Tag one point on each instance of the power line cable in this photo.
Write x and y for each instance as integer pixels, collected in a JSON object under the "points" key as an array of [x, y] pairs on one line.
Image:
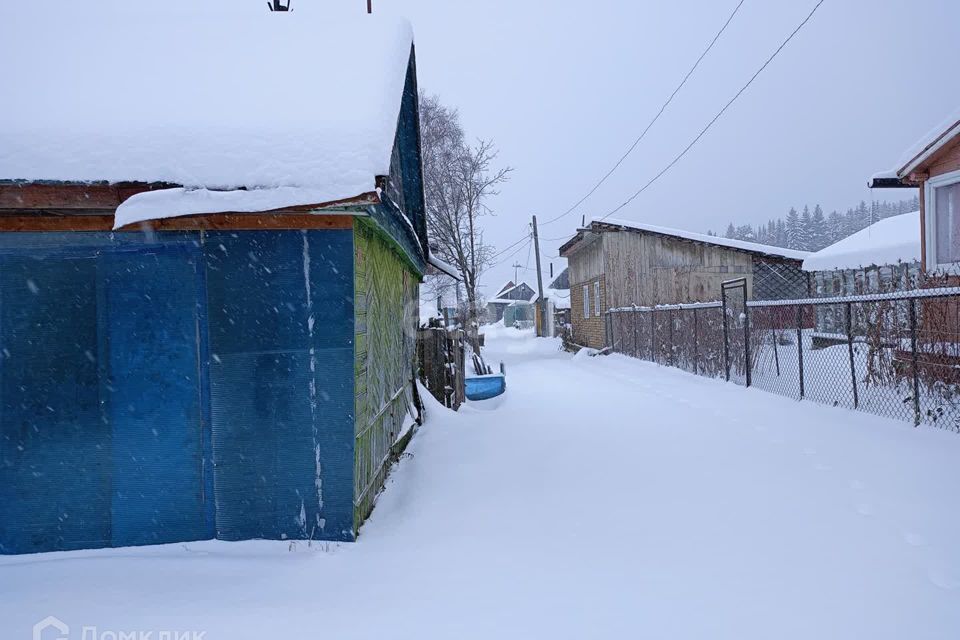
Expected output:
{"points": [[654, 120], [716, 117]]}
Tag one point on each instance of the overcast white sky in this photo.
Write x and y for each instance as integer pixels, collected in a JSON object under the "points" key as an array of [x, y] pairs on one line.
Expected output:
{"points": [[563, 87]]}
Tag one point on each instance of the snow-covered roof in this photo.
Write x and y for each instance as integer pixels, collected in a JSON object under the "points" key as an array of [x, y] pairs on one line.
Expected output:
{"points": [[444, 267], [889, 241], [922, 149], [221, 100], [559, 297], [505, 286], [742, 245]]}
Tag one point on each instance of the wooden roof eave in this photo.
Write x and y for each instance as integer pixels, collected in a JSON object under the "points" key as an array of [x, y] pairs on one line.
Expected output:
{"points": [[35, 206], [607, 226]]}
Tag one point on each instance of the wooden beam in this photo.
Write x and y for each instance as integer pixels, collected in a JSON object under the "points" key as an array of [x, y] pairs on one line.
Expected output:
{"points": [[213, 222], [70, 196]]}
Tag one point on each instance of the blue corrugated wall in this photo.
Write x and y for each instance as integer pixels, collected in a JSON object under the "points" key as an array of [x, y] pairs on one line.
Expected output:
{"points": [[121, 425], [281, 383]]}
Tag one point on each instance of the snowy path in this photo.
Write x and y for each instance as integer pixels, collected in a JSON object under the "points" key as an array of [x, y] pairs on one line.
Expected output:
{"points": [[600, 497]]}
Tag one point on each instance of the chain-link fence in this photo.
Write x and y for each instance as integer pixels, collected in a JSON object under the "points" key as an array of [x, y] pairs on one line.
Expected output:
{"points": [[894, 354]]}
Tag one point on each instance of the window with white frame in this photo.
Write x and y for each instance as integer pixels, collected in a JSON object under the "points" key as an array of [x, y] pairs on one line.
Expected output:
{"points": [[942, 213], [596, 296], [586, 301]]}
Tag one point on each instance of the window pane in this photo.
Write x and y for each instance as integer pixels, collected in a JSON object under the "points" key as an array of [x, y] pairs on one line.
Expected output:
{"points": [[947, 201], [586, 301]]}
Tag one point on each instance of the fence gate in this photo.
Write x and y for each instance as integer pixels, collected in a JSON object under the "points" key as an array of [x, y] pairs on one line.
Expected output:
{"points": [[736, 331]]}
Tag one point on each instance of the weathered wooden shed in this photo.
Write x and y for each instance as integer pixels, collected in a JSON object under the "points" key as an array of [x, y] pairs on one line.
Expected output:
{"points": [[618, 263], [207, 317]]}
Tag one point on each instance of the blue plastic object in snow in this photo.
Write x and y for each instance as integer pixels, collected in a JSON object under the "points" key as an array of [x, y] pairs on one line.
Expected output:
{"points": [[485, 387]]}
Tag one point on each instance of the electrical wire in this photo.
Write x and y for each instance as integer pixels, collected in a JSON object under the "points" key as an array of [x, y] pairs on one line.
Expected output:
{"points": [[654, 120], [716, 117]]}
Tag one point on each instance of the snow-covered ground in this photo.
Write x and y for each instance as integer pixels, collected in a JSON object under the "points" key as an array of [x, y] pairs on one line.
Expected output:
{"points": [[599, 497]]}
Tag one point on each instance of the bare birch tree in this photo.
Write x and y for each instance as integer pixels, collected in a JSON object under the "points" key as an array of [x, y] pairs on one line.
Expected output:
{"points": [[459, 178]]}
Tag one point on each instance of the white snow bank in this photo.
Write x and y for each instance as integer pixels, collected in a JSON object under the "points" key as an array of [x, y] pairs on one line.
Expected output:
{"points": [[223, 99], [601, 498], [170, 203], [702, 237], [889, 241]]}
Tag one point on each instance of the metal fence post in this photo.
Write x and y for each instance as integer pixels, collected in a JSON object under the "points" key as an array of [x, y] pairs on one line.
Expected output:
{"points": [[800, 345], [607, 341], [696, 343], [913, 357], [670, 333], [746, 335], [653, 336], [726, 338], [636, 334], [853, 370]]}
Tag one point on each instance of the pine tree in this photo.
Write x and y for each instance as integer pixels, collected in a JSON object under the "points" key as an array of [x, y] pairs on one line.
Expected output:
{"points": [[731, 231], [818, 230], [835, 227], [806, 229], [794, 233]]}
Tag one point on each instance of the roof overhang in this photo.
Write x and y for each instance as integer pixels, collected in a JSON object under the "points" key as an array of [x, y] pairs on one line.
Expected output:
{"points": [[40, 206], [911, 170], [596, 227], [583, 238]]}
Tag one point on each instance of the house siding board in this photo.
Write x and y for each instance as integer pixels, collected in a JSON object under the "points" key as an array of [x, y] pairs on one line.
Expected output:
{"points": [[947, 160], [102, 412], [647, 269], [385, 320], [54, 444], [284, 468]]}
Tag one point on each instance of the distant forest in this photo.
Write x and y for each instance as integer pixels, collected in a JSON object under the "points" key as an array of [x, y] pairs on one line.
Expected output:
{"points": [[811, 230]]}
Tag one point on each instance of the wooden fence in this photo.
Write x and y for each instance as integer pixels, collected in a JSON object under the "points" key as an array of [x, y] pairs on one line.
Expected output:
{"points": [[440, 359]]}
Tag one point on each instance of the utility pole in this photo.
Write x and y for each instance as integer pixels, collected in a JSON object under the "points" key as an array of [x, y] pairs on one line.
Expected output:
{"points": [[369, 6], [516, 266], [543, 302]]}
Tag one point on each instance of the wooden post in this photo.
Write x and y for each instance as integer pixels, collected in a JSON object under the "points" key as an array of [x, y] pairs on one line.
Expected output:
{"points": [[542, 302], [853, 370]]}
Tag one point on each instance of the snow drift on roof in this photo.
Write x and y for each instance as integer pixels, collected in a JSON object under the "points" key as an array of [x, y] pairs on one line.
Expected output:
{"points": [[559, 297], [204, 99], [701, 237], [892, 240], [924, 147]]}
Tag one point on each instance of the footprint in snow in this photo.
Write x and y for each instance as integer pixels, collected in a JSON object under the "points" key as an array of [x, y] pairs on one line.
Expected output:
{"points": [[821, 467], [857, 485], [865, 509], [809, 451]]}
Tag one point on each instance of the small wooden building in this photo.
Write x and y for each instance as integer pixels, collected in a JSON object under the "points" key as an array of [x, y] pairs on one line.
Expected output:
{"points": [[519, 296], [208, 278], [618, 263]]}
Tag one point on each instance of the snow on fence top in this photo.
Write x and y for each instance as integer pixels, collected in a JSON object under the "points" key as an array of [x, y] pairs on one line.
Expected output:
{"points": [[941, 292], [219, 100], [670, 307], [743, 245], [889, 241]]}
